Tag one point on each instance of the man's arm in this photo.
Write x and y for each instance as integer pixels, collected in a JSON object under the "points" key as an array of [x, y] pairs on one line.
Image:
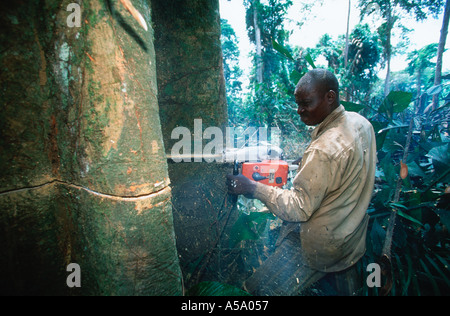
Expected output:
{"points": [[298, 204]]}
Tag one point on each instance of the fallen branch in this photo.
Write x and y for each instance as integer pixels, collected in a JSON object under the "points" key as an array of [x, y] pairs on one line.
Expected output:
{"points": [[386, 253]]}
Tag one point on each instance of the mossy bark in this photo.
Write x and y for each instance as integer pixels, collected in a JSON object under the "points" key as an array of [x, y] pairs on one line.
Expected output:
{"points": [[191, 86], [84, 174]]}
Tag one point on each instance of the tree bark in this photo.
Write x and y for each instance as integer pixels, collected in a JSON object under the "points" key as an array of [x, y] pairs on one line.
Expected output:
{"points": [[85, 178], [390, 25], [441, 48], [259, 63], [192, 86], [347, 37]]}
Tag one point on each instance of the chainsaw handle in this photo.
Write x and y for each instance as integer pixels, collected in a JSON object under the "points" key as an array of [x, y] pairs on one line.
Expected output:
{"points": [[258, 177], [234, 198], [236, 168]]}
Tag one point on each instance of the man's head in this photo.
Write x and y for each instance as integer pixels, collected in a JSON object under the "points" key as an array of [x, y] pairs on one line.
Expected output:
{"points": [[317, 95]]}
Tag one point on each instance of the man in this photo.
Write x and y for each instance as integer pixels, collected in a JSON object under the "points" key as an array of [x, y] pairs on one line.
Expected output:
{"points": [[329, 198]]}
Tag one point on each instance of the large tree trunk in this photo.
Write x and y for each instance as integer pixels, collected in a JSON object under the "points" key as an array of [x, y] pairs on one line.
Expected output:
{"points": [[347, 38], [259, 62], [388, 51], [191, 86], [84, 175], [441, 48]]}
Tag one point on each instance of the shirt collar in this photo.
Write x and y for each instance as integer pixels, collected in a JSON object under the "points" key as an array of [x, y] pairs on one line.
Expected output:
{"points": [[327, 121]]}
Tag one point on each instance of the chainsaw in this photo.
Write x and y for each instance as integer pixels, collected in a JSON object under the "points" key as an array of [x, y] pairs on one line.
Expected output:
{"points": [[269, 172], [262, 163]]}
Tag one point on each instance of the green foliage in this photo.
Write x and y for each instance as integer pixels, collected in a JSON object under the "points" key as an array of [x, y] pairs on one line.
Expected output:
{"points": [[270, 98], [364, 56], [421, 237], [270, 16], [350, 106], [364, 52], [395, 102], [419, 8], [420, 248], [282, 50], [249, 227], [231, 69], [420, 59]]}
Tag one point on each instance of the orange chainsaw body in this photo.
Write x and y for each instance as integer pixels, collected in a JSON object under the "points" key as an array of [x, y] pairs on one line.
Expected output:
{"points": [[269, 172]]}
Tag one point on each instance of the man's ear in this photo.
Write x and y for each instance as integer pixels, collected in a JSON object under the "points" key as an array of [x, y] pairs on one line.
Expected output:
{"points": [[331, 97]]}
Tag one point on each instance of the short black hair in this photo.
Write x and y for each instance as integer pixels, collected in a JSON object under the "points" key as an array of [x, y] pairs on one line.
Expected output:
{"points": [[324, 78]]}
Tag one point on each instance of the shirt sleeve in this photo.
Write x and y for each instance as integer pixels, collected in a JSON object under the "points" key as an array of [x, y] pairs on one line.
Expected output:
{"points": [[310, 187]]}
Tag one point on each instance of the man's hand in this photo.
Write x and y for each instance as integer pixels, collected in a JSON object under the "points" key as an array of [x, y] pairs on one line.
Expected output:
{"points": [[241, 185]]}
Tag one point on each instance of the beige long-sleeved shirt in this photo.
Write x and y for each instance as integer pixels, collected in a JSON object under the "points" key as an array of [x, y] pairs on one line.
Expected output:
{"points": [[331, 192]]}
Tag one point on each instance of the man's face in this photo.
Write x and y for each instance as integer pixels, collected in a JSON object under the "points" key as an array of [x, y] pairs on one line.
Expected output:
{"points": [[313, 106]]}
